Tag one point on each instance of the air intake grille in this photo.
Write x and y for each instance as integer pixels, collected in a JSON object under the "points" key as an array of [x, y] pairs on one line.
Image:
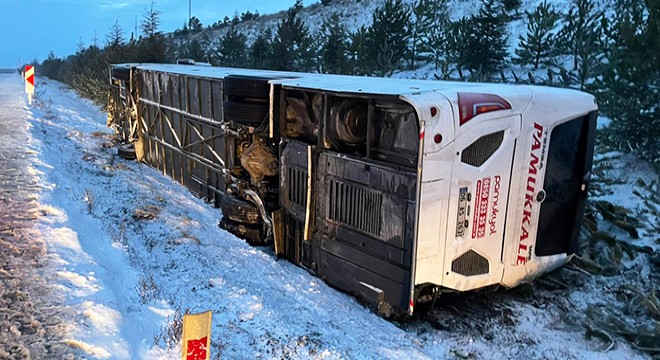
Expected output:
{"points": [[470, 264], [355, 206], [481, 150], [297, 186]]}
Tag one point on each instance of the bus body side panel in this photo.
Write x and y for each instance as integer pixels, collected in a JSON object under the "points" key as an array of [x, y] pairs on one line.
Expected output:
{"points": [[294, 172], [552, 168], [436, 111], [365, 228]]}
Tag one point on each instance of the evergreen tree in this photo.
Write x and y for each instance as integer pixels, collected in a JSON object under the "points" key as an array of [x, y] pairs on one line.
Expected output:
{"points": [[292, 46], [152, 47], [458, 36], [486, 43], [424, 14], [115, 51], [537, 46], [630, 90], [232, 50], [359, 52], [195, 25], [435, 43], [261, 51], [334, 46], [389, 35], [195, 49], [150, 21], [511, 7], [581, 39]]}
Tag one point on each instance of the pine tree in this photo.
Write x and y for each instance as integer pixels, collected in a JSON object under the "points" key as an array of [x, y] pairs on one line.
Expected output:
{"points": [[195, 25], [423, 16], [232, 50], [152, 47], [511, 7], [537, 46], [195, 49], [358, 53], [389, 36], [581, 39], [150, 21], [458, 36], [114, 48], [434, 44], [486, 45], [334, 46], [261, 51], [630, 90], [292, 46]]}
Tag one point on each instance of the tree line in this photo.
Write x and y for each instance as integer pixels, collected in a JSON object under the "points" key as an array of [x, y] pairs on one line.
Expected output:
{"points": [[615, 57]]}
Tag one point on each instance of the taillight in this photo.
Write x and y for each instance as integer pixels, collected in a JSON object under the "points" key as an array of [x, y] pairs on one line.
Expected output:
{"points": [[473, 104]]}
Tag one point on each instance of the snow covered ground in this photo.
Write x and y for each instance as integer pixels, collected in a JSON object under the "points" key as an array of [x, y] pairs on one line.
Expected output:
{"points": [[129, 250]]}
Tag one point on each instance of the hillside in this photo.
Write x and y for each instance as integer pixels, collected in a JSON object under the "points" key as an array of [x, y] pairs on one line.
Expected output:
{"points": [[603, 305], [129, 251]]}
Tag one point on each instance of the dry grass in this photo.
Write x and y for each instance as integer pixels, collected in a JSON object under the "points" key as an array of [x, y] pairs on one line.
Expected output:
{"points": [[149, 212], [119, 235], [170, 334], [147, 289], [89, 200]]}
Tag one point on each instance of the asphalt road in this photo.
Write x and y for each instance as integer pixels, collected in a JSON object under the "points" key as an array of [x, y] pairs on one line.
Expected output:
{"points": [[30, 310]]}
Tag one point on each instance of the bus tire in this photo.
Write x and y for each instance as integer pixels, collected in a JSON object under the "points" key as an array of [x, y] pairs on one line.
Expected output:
{"points": [[127, 151], [246, 113], [247, 87], [239, 210], [253, 234]]}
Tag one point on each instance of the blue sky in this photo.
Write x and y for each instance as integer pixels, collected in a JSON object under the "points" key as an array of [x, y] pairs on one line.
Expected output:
{"points": [[30, 29]]}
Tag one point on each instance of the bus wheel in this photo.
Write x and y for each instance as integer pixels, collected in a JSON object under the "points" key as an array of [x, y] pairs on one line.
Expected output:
{"points": [[126, 151], [253, 234], [239, 210]]}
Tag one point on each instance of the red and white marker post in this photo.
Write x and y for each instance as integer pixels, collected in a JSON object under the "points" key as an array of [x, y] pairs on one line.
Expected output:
{"points": [[29, 82]]}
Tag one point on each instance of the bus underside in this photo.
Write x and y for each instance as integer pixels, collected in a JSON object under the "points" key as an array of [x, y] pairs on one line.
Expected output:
{"points": [[328, 179]]}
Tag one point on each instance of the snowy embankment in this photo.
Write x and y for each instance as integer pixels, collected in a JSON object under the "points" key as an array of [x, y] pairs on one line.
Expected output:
{"points": [[133, 250]]}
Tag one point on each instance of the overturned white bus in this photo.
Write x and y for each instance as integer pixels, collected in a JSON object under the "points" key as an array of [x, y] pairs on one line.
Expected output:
{"points": [[393, 190]]}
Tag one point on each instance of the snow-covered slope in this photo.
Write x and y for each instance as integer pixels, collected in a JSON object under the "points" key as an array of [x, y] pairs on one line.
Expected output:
{"points": [[355, 14]]}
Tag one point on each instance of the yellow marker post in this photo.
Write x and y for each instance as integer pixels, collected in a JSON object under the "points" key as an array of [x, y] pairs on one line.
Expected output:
{"points": [[29, 82], [196, 339]]}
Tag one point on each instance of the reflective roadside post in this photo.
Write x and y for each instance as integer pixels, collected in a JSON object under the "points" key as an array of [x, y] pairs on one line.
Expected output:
{"points": [[29, 82], [196, 339]]}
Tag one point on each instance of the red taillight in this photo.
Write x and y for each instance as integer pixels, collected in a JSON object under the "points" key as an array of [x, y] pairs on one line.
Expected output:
{"points": [[473, 104]]}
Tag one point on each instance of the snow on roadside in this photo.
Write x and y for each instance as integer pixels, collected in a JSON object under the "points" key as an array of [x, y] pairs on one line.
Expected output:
{"points": [[128, 278], [133, 250]]}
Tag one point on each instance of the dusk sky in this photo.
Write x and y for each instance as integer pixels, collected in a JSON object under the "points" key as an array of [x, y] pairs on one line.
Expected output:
{"points": [[30, 29]]}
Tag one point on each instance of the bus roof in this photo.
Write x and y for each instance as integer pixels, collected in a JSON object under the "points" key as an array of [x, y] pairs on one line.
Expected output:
{"points": [[518, 95]]}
